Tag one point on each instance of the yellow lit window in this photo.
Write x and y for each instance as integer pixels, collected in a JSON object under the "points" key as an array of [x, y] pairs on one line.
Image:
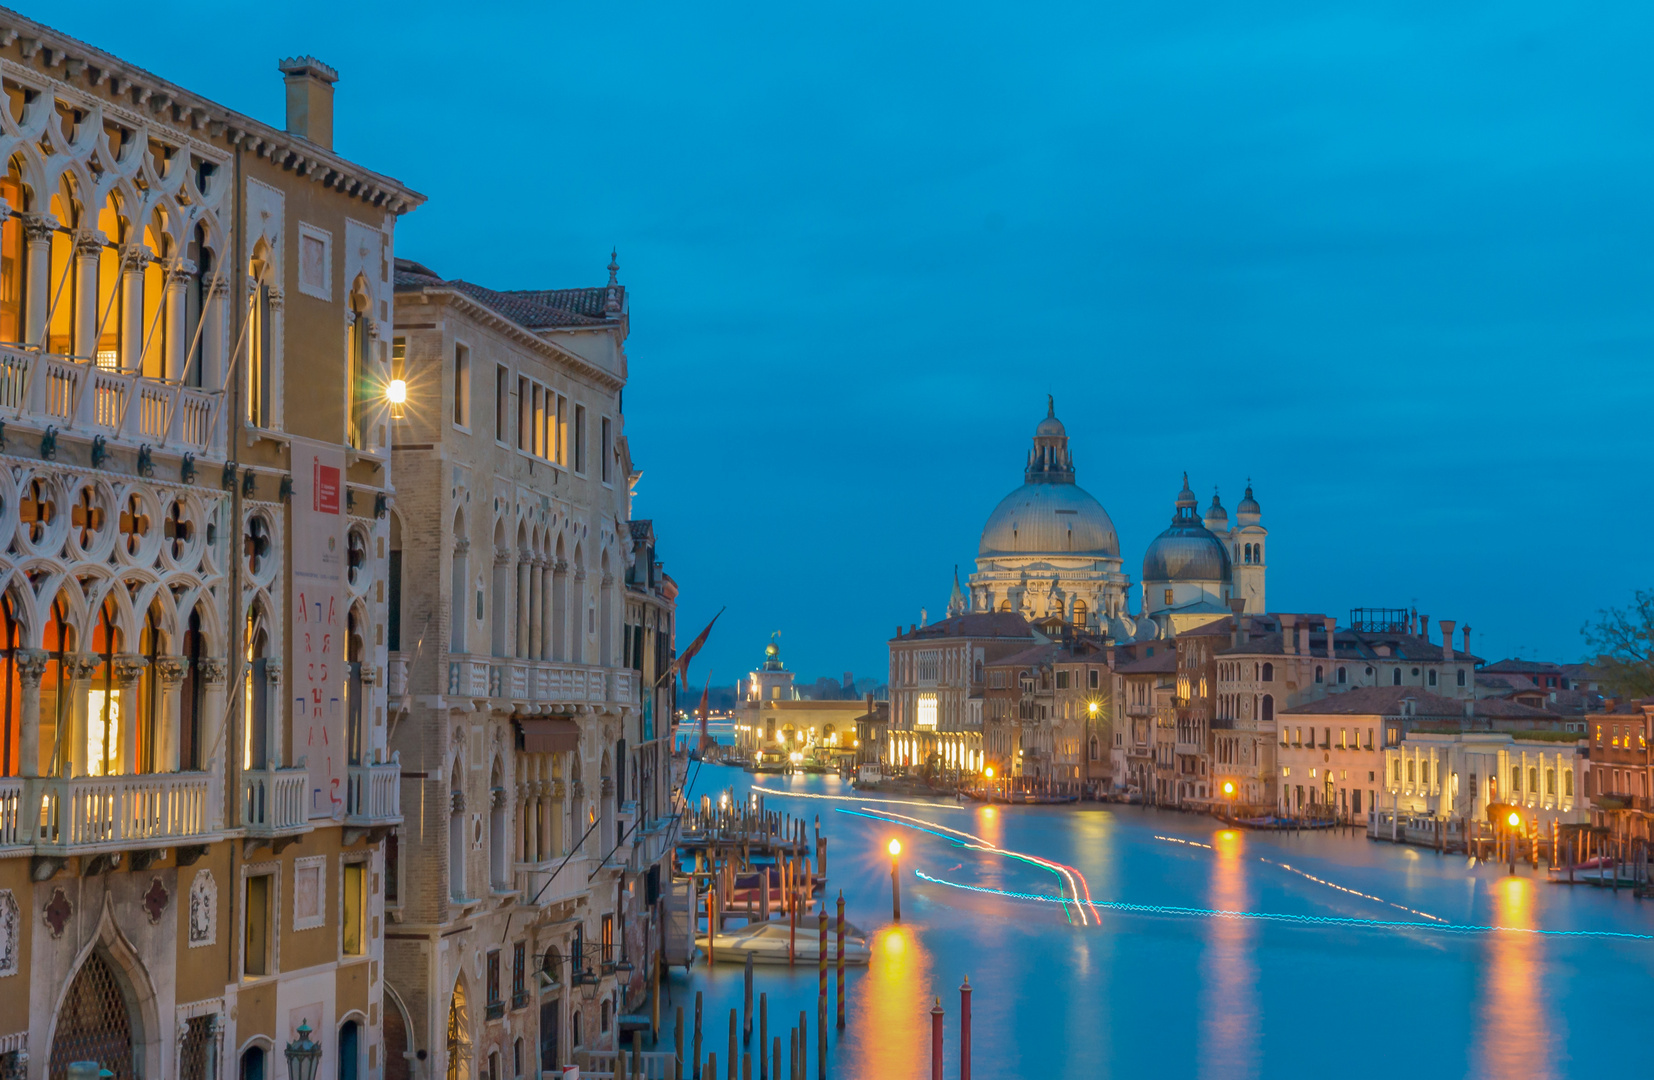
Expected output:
{"points": [[103, 730], [355, 914]]}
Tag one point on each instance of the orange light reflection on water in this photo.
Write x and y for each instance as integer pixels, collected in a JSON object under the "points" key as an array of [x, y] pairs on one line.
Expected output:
{"points": [[1229, 972], [1513, 1029], [889, 1029]]}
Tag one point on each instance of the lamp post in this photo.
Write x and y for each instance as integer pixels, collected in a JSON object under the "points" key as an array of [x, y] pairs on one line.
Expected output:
{"points": [[895, 880], [303, 1055], [1515, 822], [989, 773]]}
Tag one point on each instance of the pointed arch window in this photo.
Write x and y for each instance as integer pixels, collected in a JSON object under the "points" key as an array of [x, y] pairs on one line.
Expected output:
{"points": [[14, 252], [149, 695], [11, 720], [102, 751]]}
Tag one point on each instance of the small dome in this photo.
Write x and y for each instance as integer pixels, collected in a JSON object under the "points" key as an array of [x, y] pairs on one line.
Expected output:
{"points": [[1247, 511], [1186, 553], [772, 650], [1217, 518], [1050, 427], [1186, 497]]}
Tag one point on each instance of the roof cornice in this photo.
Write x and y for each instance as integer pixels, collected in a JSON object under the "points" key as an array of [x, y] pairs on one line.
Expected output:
{"points": [[77, 61], [476, 309]]}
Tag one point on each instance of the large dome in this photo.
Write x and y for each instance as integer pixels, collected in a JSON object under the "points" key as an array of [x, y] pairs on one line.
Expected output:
{"points": [[1049, 519]]}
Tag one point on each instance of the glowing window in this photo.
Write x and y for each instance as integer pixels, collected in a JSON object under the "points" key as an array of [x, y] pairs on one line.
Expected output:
{"points": [[925, 716]]}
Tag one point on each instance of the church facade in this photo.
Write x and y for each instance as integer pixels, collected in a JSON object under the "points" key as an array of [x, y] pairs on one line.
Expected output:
{"points": [[1050, 549]]}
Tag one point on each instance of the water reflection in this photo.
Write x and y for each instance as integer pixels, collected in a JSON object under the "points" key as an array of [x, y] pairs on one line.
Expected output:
{"points": [[890, 1017], [1513, 1036], [1229, 975]]}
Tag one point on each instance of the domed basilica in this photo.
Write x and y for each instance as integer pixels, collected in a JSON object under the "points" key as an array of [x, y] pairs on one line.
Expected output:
{"points": [[1049, 549]]}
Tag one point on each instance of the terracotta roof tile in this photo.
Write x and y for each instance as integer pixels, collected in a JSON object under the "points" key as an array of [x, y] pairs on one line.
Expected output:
{"points": [[535, 309]]}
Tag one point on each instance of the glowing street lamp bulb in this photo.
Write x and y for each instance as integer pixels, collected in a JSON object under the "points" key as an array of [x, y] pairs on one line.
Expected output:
{"points": [[1515, 819], [1228, 788], [895, 848], [1093, 708], [990, 772], [397, 392]]}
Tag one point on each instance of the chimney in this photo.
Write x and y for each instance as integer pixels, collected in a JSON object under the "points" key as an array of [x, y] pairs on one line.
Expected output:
{"points": [[1289, 625], [870, 703], [1467, 639], [1236, 606], [1469, 708], [1447, 638], [310, 99], [1332, 633], [1424, 627]]}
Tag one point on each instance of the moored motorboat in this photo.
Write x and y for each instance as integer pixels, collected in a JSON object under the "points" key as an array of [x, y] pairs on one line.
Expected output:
{"points": [[767, 943]]}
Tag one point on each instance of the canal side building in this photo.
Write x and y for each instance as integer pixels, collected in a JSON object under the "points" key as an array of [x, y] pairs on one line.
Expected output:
{"points": [[533, 632], [938, 677], [195, 780]]}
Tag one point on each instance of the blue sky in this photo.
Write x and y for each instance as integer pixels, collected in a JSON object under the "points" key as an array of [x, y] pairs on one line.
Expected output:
{"points": [[1392, 261]]}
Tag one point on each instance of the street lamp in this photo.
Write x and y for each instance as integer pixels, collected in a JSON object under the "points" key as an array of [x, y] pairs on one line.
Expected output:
{"points": [[895, 879], [303, 1055]]}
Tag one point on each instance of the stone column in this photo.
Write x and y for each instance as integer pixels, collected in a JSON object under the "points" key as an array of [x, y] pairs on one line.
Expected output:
{"points": [[179, 276], [80, 667], [134, 257], [522, 599], [274, 731], [536, 612], [211, 672], [212, 335], [88, 246], [129, 667], [548, 612], [31, 667], [37, 232], [170, 736]]}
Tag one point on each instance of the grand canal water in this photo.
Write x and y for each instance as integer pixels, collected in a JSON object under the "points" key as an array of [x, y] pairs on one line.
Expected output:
{"points": [[1160, 986]]}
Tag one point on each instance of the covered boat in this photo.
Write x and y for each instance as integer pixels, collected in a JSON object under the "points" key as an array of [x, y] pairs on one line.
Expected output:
{"points": [[767, 942]]}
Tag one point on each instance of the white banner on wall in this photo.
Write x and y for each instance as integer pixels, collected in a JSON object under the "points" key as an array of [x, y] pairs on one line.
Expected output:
{"points": [[318, 624]]}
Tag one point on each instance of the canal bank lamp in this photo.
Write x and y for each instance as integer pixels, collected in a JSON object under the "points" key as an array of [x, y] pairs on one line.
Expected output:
{"points": [[1515, 820], [1229, 788], [303, 1055], [990, 772], [895, 848]]}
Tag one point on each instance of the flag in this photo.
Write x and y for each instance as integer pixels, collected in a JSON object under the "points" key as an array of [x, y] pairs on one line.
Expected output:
{"points": [[681, 664]]}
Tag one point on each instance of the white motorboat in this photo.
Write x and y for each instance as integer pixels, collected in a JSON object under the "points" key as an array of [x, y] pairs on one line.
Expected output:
{"points": [[767, 942]]}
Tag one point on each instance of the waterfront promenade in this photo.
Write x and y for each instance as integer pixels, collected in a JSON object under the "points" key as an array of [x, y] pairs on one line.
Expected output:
{"points": [[1345, 965]]}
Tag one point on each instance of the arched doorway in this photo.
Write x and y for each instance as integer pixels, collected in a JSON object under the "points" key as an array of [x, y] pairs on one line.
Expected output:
{"points": [[349, 1050], [97, 1022], [459, 1036], [252, 1063]]}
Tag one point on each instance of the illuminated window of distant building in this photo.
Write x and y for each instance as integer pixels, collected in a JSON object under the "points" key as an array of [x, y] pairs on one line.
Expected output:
{"points": [[1168, 596], [925, 715]]}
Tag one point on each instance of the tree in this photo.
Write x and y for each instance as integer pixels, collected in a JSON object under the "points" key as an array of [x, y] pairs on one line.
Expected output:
{"points": [[1623, 642]]}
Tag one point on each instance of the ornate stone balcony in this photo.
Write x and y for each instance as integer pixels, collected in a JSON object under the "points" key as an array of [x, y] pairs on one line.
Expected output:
{"points": [[12, 834], [43, 391], [373, 794], [91, 814], [535, 682], [569, 884], [272, 802]]}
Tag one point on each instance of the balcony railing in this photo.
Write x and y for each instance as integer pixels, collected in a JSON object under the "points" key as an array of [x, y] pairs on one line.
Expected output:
{"points": [[549, 681], [12, 833], [567, 885], [124, 811], [272, 801], [373, 794], [124, 406]]}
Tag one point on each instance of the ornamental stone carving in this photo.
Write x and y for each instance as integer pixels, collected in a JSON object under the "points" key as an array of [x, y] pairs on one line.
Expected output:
{"points": [[81, 665], [38, 228], [134, 257], [171, 669], [272, 672], [370, 674], [129, 668], [212, 670], [31, 666], [203, 928], [11, 931]]}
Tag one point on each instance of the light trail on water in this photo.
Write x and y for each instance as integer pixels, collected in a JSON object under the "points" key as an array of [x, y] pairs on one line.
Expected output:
{"points": [[853, 798], [1305, 920], [1072, 876], [1311, 877]]}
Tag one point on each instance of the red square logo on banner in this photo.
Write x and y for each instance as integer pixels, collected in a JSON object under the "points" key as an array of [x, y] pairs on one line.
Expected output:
{"points": [[327, 489]]}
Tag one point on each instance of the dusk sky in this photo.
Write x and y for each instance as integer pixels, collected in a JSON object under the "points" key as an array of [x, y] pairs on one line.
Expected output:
{"points": [[1394, 262]]}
